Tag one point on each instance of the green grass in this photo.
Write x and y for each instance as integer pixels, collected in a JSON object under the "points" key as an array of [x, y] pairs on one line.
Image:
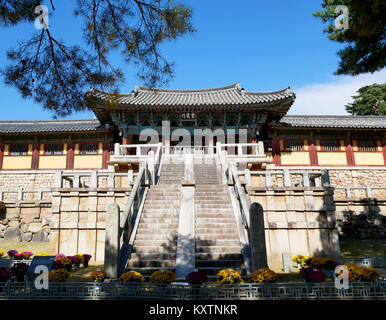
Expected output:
{"points": [[356, 248], [84, 274], [34, 247]]}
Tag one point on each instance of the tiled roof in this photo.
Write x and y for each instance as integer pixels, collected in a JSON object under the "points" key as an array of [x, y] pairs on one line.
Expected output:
{"points": [[232, 96], [50, 126], [222, 96], [364, 122]]}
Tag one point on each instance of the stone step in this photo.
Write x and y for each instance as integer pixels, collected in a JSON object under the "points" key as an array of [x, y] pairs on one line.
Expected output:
{"points": [[219, 230], [156, 236], [200, 221], [168, 211], [151, 232], [154, 256], [148, 249], [212, 215], [216, 225], [200, 242], [152, 263], [156, 243], [203, 205], [225, 249], [216, 236], [158, 226], [164, 206], [160, 220], [218, 256]]}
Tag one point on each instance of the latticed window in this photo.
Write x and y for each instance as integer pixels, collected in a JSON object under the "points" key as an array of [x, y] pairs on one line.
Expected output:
{"points": [[330, 145], [54, 148], [366, 145], [293, 145], [19, 149], [89, 148], [267, 145]]}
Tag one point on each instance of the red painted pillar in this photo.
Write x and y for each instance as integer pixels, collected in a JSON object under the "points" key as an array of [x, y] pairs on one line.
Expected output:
{"points": [[349, 152], [70, 155], [276, 151], [313, 152], [2, 146], [106, 154], [35, 154]]}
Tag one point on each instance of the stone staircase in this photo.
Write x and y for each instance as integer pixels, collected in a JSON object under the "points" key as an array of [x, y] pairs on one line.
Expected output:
{"points": [[155, 243], [217, 240], [217, 244]]}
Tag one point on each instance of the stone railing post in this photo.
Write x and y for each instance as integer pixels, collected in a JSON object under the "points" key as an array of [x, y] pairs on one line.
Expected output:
{"points": [[247, 177], [112, 241], [151, 166], [306, 179], [325, 178], [368, 192], [268, 179], [58, 179], [117, 149], [257, 237], [94, 179], [260, 148], [130, 177], [287, 178]]}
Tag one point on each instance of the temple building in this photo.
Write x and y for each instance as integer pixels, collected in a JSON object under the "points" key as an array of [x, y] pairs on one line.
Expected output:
{"points": [[314, 176]]}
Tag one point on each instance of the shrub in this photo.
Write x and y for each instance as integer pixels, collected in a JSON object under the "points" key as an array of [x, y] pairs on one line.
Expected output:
{"points": [[59, 275], [2, 253], [304, 261], [5, 274], [78, 258], [27, 254], [98, 275], [19, 270], [357, 273], [60, 255], [131, 276], [229, 276], [11, 253], [323, 263], [65, 263], [264, 275], [159, 276], [196, 277], [312, 275]]}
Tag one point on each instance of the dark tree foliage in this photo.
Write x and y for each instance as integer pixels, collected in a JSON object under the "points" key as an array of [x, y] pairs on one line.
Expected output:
{"points": [[371, 100], [57, 74], [365, 37]]}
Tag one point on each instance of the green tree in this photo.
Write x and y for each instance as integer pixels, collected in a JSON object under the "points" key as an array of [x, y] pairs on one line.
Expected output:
{"points": [[57, 73], [371, 100], [365, 36]]}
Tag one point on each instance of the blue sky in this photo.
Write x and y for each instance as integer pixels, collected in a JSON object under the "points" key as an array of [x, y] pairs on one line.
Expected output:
{"points": [[264, 45]]}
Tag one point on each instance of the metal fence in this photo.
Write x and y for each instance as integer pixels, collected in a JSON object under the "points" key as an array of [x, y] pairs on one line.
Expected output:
{"points": [[248, 291]]}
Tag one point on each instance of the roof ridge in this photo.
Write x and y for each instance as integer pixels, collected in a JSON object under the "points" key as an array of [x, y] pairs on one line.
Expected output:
{"points": [[235, 85], [50, 121]]}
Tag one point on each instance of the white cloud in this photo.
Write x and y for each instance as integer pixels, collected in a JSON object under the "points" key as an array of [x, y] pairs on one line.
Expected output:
{"points": [[329, 98]]}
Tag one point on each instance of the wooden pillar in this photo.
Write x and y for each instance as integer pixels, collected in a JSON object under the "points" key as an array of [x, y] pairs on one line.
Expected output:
{"points": [[383, 150], [276, 151], [35, 154], [70, 154], [106, 154], [2, 147], [313, 151], [349, 151]]}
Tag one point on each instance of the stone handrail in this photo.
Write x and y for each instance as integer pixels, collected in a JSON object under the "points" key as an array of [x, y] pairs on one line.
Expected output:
{"points": [[75, 178], [22, 192], [121, 225], [308, 177], [368, 189], [120, 149], [257, 149]]}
